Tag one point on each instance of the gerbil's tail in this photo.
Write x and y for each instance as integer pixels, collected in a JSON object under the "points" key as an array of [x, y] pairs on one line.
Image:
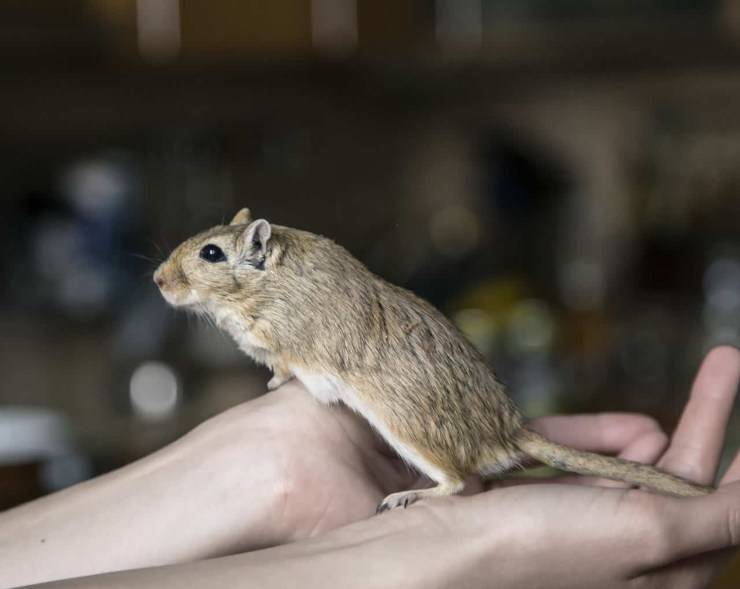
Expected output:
{"points": [[587, 463]]}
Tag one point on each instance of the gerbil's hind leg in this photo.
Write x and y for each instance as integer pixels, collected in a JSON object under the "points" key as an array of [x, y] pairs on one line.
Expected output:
{"points": [[280, 376], [406, 498]]}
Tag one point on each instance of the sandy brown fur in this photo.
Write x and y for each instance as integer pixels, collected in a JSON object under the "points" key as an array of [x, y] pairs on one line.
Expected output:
{"points": [[315, 308]]}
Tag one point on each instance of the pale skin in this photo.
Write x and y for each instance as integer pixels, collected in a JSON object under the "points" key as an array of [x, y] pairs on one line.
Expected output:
{"points": [[286, 471]]}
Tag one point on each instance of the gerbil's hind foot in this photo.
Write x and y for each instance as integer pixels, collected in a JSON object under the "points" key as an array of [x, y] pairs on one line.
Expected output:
{"points": [[406, 498], [402, 499]]}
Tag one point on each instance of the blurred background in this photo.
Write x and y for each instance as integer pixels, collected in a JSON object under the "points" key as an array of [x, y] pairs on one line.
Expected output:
{"points": [[559, 176]]}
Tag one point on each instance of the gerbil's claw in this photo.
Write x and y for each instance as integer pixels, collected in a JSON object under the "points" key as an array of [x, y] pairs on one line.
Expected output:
{"points": [[402, 499]]}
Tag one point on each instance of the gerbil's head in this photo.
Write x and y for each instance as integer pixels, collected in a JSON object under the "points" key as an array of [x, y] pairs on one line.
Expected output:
{"points": [[219, 266]]}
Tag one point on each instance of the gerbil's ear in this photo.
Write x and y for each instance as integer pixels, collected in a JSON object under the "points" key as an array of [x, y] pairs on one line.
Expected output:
{"points": [[242, 217], [254, 244]]}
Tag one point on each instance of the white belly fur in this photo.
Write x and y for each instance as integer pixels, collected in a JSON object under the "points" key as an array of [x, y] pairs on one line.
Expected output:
{"points": [[327, 388]]}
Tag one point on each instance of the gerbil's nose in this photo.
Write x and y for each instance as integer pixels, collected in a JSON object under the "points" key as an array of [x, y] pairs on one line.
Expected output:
{"points": [[158, 279]]}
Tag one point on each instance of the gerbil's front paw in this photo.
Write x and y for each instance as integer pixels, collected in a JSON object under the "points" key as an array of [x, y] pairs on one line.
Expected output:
{"points": [[402, 499], [277, 380]]}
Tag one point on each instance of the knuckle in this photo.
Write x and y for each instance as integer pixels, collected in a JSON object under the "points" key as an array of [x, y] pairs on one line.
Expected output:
{"points": [[659, 536], [658, 442], [661, 438], [652, 423], [661, 543], [733, 526]]}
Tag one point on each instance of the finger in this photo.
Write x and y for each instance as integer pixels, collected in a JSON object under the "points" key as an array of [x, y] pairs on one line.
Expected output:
{"points": [[702, 524], [696, 445], [647, 449], [733, 473], [608, 433], [629, 435]]}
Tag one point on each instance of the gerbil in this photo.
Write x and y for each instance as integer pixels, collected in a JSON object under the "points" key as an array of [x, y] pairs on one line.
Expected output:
{"points": [[303, 306]]}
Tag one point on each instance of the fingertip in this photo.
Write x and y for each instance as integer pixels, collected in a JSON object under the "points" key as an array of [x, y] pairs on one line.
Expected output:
{"points": [[648, 426], [715, 385], [725, 352], [646, 448], [724, 360], [636, 433], [637, 423]]}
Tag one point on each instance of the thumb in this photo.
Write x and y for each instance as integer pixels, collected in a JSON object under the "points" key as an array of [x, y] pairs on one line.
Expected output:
{"points": [[704, 524]]}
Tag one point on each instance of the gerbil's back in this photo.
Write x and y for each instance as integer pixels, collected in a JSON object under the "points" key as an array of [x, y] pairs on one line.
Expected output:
{"points": [[443, 375], [395, 348]]}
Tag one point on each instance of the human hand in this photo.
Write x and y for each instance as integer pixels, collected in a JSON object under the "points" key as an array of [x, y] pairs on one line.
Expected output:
{"points": [[590, 536], [519, 536], [273, 470], [334, 470], [526, 536], [326, 468]]}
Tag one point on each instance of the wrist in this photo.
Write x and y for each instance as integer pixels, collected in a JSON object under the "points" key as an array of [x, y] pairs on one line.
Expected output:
{"points": [[428, 546], [234, 461], [481, 548], [213, 492]]}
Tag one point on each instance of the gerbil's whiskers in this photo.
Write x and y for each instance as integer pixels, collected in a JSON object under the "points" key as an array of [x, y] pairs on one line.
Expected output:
{"points": [[160, 253], [144, 275], [154, 261]]}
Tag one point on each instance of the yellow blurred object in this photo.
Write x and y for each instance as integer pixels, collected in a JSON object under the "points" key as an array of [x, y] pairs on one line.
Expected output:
{"points": [[234, 29], [495, 297], [239, 27]]}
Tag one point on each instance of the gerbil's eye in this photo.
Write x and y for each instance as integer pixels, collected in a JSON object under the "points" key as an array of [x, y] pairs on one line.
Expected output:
{"points": [[212, 253]]}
